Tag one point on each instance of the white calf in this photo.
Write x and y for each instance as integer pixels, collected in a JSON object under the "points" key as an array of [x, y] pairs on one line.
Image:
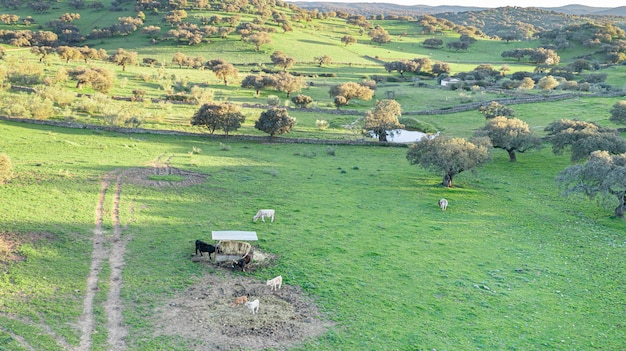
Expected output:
{"points": [[264, 213], [253, 306], [443, 203], [275, 283]]}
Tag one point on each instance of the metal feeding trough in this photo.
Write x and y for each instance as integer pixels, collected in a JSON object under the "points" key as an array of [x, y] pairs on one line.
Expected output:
{"points": [[233, 244]]}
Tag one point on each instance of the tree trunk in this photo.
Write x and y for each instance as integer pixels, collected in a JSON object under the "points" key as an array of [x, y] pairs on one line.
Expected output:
{"points": [[512, 157], [382, 136], [447, 181], [619, 210]]}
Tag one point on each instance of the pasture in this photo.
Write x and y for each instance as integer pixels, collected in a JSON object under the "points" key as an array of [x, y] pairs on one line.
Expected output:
{"points": [[97, 229], [509, 265]]}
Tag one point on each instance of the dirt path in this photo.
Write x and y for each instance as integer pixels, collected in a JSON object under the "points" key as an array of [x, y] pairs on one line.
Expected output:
{"points": [[98, 255], [105, 247], [113, 306]]}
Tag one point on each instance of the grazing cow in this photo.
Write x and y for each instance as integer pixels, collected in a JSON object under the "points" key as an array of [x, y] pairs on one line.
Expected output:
{"points": [[264, 213], [275, 283], [242, 262], [240, 300], [443, 203], [253, 306], [204, 247]]}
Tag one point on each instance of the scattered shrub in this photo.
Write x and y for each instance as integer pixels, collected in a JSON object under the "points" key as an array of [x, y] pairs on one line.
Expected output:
{"points": [[273, 100], [26, 74], [133, 122], [202, 96], [321, 124], [138, 95], [60, 97]]}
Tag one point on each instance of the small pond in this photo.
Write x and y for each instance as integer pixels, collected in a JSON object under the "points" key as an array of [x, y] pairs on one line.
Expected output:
{"points": [[405, 136]]}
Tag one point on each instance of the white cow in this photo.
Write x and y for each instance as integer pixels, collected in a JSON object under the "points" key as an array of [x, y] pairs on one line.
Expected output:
{"points": [[275, 283], [443, 203], [264, 213], [253, 306]]}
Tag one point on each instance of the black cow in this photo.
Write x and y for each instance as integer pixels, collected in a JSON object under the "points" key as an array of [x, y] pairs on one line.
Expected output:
{"points": [[204, 247], [242, 262]]}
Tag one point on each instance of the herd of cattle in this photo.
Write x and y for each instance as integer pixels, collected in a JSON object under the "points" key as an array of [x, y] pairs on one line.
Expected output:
{"points": [[242, 262]]}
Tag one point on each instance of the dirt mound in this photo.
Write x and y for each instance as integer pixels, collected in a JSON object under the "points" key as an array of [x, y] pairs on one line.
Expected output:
{"points": [[204, 314]]}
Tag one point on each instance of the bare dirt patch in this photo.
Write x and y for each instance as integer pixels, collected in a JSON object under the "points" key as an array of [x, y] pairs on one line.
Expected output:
{"points": [[10, 244], [204, 315], [160, 173], [150, 177]]}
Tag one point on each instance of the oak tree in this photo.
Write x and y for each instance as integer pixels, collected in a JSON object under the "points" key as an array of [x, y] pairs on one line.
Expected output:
{"points": [[275, 121], [618, 112], [225, 116], [449, 155], [510, 134], [351, 90], [601, 177], [383, 117], [225, 71], [124, 58], [582, 138]]}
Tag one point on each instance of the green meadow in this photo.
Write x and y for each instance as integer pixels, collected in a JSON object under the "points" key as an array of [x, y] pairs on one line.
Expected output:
{"points": [[511, 264]]}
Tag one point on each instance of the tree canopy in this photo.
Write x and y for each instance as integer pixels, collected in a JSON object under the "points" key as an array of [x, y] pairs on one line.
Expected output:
{"points": [[260, 39], [352, 90], [348, 40], [225, 71], [282, 60], [275, 121], [258, 82], [510, 134], [449, 155], [288, 83], [123, 58], [583, 138], [383, 117], [495, 109], [601, 177], [618, 112], [225, 116]]}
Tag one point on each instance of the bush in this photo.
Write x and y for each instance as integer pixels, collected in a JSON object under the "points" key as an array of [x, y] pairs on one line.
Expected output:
{"points": [[273, 100], [6, 168], [321, 124], [202, 96], [26, 74], [15, 107], [60, 97]]}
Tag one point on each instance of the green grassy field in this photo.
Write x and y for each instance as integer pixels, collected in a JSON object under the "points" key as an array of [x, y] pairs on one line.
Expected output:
{"points": [[510, 265]]}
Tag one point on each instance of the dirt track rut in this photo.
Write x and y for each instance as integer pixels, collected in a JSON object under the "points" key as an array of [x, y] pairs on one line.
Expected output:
{"points": [[111, 247]]}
